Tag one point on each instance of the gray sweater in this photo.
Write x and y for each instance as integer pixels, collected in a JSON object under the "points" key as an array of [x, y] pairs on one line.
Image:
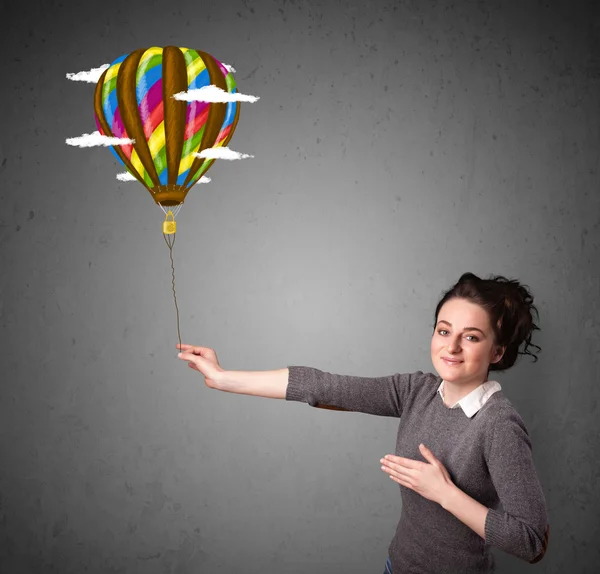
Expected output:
{"points": [[488, 456]]}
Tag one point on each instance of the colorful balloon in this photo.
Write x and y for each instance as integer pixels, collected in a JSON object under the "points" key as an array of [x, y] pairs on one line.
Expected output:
{"points": [[134, 99]]}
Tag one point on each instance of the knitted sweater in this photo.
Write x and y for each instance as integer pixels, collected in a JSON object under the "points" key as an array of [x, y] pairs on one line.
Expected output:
{"points": [[488, 457]]}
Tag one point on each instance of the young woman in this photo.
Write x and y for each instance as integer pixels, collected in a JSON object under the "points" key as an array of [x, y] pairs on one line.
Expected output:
{"points": [[463, 458]]}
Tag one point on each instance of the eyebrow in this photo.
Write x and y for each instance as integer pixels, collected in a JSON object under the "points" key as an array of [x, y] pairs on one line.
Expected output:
{"points": [[465, 329]]}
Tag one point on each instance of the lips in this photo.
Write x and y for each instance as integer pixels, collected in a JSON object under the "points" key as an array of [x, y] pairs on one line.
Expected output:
{"points": [[451, 362]]}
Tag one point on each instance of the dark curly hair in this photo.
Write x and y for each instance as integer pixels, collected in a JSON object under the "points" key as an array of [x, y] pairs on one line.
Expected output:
{"points": [[510, 308]]}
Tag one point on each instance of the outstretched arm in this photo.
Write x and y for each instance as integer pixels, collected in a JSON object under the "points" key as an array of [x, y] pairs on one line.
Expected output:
{"points": [[384, 396]]}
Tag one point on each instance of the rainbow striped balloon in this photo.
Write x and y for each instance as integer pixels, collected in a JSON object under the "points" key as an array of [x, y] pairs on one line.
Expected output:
{"points": [[133, 99]]}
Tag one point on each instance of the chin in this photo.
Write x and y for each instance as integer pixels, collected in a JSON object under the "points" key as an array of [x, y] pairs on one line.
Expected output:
{"points": [[449, 376], [448, 373]]}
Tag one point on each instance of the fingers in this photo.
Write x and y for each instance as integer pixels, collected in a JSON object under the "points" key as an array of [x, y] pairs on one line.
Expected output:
{"points": [[191, 349], [190, 358], [184, 346], [398, 473], [402, 481], [398, 469], [399, 460]]}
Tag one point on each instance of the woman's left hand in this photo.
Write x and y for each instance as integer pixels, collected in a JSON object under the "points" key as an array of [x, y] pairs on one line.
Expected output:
{"points": [[429, 479]]}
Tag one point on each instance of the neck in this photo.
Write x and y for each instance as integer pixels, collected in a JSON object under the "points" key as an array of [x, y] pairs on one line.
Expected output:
{"points": [[454, 392]]}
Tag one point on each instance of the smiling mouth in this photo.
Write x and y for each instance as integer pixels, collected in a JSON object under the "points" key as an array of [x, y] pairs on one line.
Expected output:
{"points": [[451, 362]]}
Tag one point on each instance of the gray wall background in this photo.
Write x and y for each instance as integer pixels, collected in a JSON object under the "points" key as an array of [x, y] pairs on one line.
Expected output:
{"points": [[397, 145]]}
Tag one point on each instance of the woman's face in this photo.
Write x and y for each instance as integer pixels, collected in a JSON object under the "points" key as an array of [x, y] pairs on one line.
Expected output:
{"points": [[463, 334]]}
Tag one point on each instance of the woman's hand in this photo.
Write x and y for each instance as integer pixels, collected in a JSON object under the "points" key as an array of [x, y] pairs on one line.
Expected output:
{"points": [[429, 479], [203, 360]]}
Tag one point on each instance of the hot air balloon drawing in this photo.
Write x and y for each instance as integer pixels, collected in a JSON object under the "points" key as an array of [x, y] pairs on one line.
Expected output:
{"points": [[134, 99], [171, 109]]}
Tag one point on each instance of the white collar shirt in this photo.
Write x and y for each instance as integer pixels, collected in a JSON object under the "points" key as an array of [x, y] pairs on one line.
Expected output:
{"points": [[471, 403]]}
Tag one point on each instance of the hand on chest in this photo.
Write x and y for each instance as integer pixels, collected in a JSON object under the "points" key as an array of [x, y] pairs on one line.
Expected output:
{"points": [[461, 451]]}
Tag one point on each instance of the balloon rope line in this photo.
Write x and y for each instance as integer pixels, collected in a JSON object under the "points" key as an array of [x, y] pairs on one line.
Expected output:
{"points": [[170, 245]]}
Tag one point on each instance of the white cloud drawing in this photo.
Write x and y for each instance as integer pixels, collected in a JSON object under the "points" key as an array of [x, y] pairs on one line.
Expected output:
{"points": [[221, 153], [91, 76], [97, 139], [213, 93]]}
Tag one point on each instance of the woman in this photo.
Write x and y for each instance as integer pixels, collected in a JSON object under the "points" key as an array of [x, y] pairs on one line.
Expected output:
{"points": [[463, 457]]}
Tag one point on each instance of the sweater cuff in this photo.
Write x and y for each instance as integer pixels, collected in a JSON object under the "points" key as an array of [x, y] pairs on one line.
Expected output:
{"points": [[495, 524], [295, 390]]}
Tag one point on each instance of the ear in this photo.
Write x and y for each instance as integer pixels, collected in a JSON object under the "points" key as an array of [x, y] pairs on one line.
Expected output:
{"points": [[498, 354]]}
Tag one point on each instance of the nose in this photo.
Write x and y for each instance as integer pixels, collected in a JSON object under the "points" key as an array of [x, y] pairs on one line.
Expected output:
{"points": [[453, 346]]}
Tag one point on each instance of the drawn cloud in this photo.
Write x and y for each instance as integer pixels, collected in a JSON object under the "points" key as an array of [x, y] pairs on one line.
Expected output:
{"points": [[97, 139], [221, 153], [213, 94]]}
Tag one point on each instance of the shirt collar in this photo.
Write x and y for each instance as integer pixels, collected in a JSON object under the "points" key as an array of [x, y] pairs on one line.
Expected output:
{"points": [[476, 398]]}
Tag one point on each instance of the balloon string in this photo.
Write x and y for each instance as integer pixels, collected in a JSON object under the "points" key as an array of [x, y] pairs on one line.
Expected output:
{"points": [[170, 245]]}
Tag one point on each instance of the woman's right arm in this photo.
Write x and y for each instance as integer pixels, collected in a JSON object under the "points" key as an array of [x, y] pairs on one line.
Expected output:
{"points": [[269, 384], [382, 396]]}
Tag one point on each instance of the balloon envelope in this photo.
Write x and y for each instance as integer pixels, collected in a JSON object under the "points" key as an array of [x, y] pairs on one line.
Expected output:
{"points": [[134, 99]]}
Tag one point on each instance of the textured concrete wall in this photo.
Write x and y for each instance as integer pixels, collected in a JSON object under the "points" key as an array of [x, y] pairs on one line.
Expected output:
{"points": [[397, 145]]}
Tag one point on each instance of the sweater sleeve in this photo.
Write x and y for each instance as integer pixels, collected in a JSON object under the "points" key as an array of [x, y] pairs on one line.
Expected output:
{"points": [[384, 396], [521, 529]]}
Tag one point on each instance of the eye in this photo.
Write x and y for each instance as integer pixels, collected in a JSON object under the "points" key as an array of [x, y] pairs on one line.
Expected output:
{"points": [[475, 338], [440, 331]]}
